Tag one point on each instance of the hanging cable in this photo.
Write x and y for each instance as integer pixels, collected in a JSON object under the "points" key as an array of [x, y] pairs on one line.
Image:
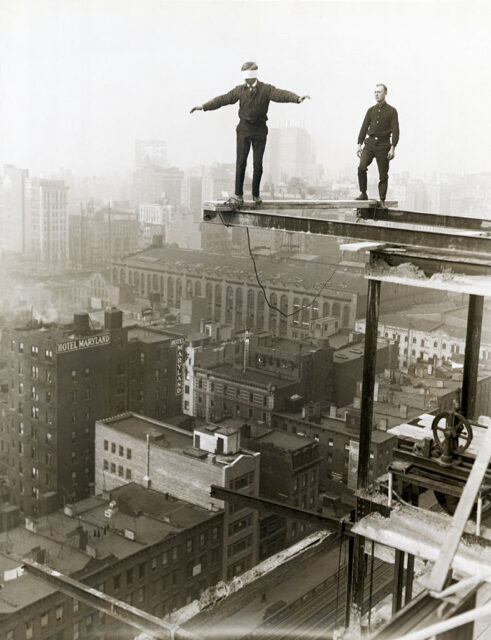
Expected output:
{"points": [[272, 306]]}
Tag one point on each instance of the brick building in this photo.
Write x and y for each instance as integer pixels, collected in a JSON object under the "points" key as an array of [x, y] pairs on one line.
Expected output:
{"points": [[290, 467], [150, 550], [234, 297], [61, 379], [169, 459], [225, 390], [336, 437]]}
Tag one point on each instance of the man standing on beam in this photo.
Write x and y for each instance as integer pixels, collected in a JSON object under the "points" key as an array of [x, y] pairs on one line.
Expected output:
{"points": [[380, 122], [254, 98]]}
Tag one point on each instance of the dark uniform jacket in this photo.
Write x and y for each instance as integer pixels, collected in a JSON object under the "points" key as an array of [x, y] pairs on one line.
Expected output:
{"points": [[380, 121], [253, 105]]}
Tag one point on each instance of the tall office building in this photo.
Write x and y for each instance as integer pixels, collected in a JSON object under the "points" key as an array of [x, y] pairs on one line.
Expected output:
{"points": [[289, 154], [153, 184], [61, 379], [151, 152], [12, 208], [46, 220]]}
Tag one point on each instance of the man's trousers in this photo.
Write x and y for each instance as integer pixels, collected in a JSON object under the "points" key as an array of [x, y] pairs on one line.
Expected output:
{"points": [[247, 135], [378, 150]]}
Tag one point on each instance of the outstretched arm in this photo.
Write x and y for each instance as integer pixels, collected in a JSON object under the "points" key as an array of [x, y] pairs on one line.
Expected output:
{"points": [[280, 95], [220, 101]]}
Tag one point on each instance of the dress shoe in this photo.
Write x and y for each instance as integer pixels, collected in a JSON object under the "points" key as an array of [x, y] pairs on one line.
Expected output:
{"points": [[362, 196]]}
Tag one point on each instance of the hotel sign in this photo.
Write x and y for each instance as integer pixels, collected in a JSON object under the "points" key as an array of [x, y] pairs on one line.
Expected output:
{"points": [[179, 344], [83, 343]]}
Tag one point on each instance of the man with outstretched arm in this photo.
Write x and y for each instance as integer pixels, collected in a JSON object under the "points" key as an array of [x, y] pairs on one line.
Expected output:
{"points": [[380, 123], [254, 98]]}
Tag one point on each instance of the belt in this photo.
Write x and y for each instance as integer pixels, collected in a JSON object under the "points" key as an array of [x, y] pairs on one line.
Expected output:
{"points": [[381, 138]]}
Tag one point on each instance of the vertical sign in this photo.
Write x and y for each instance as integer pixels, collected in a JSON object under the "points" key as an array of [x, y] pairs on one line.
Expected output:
{"points": [[179, 344]]}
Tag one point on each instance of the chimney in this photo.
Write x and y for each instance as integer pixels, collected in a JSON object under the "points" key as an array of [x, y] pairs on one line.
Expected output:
{"points": [[332, 411], [81, 323], [113, 318]]}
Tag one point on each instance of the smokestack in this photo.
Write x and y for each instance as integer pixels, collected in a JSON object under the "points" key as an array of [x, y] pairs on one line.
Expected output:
{"points": [[81, 323], [113, 318]]}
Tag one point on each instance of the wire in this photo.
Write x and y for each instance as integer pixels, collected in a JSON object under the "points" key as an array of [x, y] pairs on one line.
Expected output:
{"points": [[272, 306]]}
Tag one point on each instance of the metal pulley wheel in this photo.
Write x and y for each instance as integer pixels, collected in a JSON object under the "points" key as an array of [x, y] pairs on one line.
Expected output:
{"points": [[452, 428]]}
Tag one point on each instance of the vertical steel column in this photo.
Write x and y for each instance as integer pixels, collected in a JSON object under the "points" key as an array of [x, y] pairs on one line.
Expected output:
{"points": [[471, 358], [349, 573], [366, 419], [398, 581], [409, 578]]}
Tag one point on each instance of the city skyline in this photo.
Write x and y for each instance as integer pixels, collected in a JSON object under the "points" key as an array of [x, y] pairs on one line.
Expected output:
{"points": [[79, 83]]}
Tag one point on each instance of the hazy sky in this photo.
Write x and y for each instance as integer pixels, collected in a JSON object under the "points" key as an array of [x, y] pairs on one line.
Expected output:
{"points": [[80, 80]]}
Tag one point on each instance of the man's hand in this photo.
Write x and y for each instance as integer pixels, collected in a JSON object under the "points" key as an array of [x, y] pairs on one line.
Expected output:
{"points": [[302, 98], [392, 153], [200, 108], [358, 152]]}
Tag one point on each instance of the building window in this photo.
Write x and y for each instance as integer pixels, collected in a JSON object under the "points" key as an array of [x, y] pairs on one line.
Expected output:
{"points": [[121, 450], [129, 576], [106, 445], [59, 613], [128, 474], [113, 467], [165, 558], [117, 582], [141, 570], [76, 631], [113, 447], [175, 553], [28, 630], [105, 465], [120, 471], [330, 442], [189, 545], [128, 454], [44, 620]]}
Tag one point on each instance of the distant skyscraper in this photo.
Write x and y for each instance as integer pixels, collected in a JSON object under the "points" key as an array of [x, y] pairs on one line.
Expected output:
{"points": [[151, 152], [153, 184], [289, 154], [12, 208], [46, 220]]}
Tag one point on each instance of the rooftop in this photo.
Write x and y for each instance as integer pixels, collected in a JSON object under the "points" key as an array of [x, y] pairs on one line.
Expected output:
{"points": [[237, 374], [150, 336], [285, 441], [138, 426], [354, 351], [143, 517], [289, 273]]}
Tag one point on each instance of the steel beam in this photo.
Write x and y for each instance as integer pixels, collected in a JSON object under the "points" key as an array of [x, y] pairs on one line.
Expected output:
{"points": [[281, 509], [449, 239], [471, 357], [122, 611]]}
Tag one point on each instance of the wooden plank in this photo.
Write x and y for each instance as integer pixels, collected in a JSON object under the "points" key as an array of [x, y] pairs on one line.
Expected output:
{"points": [[448, 549], [274, 205]]}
